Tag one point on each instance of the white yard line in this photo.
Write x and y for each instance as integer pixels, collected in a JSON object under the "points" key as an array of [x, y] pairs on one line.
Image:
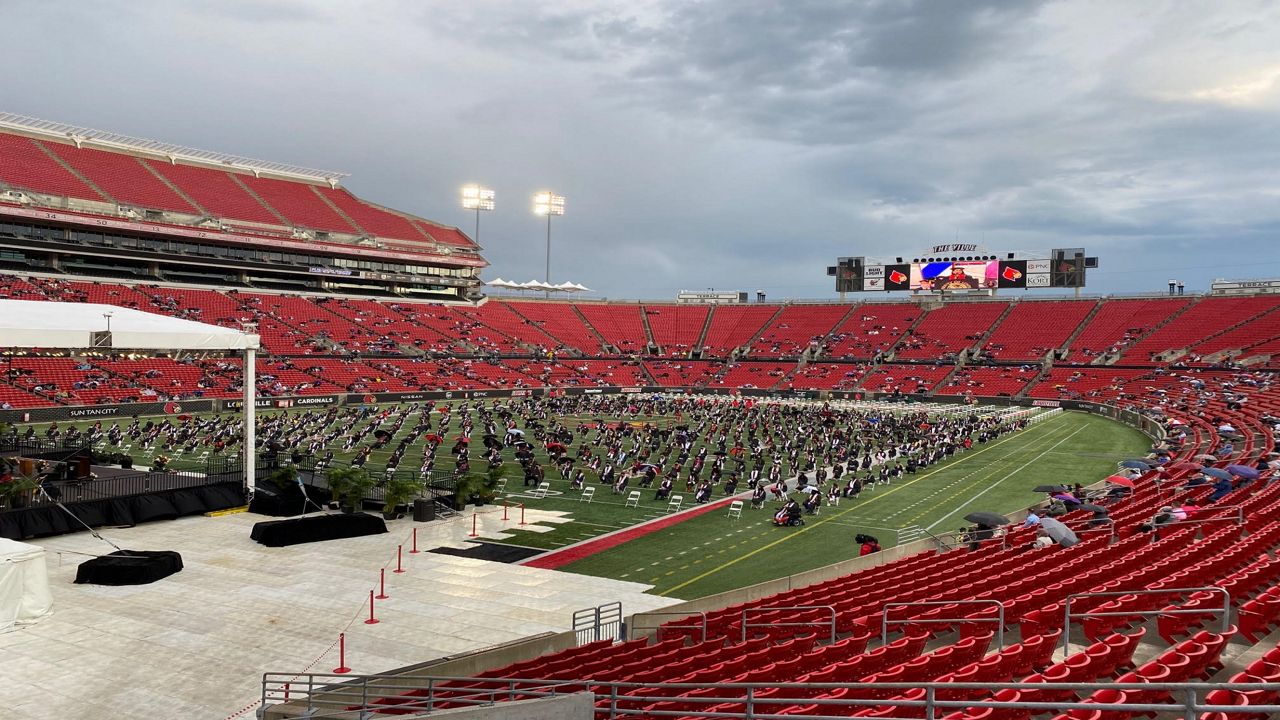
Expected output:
{"points": [[996, 484]]}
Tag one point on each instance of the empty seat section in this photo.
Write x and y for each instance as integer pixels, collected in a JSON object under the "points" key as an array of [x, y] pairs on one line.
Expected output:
{"points": [[27, 167], [1120, 323], [123, 177], [561, 322], [216, 192], [299, 204], [1033, 329], [373, 220], [827, 376], [682, 373], [676, 328], [442, 234], [949, 330], [622, 326], [989, 381], [1208, 316], [762, 375], [732, 326], [515, 333], [870, 329], [909, 379], [798, 326]]}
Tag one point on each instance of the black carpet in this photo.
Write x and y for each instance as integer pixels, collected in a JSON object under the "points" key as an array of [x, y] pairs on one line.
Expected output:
{"points": [[494, 552]]}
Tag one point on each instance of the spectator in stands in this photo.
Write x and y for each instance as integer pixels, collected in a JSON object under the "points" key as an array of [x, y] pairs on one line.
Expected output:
{"points": [[1221, 488], [867, 544], [1164, 516]]}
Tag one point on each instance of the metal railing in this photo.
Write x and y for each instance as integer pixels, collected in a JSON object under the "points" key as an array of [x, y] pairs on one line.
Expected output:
{"points": [[318, 696], [121, 486], [831, 622], [1068, 616], [998, 619], [702, 626]]}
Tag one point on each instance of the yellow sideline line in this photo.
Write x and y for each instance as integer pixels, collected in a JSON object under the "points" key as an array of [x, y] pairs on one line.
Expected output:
{"points": [[860, 505]]}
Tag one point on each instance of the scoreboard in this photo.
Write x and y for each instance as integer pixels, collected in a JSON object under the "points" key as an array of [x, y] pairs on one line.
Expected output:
{"points": [[963, 267]]}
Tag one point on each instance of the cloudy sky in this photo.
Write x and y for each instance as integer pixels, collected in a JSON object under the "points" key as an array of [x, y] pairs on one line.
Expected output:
{"points": [[732, 144]]}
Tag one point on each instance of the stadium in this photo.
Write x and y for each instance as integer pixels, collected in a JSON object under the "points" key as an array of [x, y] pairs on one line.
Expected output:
{"points": [[280, 442]]}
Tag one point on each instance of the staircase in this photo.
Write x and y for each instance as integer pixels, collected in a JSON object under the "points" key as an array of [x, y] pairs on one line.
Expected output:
{"points": [[982, 341], [1066, 345], [349, 220], [176, 190], [910, 332], [562, 348], [960, 364], [604, 344], [651, 343], [1109, 360], [744, 350], [702, 336], [818, 353], [67, 166], [243, 186]]}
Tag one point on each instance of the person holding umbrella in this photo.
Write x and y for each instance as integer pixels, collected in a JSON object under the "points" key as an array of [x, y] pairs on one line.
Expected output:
{"points": [[985, 524], [1050, 531]]}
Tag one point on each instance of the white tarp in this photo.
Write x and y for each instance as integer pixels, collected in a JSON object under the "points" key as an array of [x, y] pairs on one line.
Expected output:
{"points": [[48, 325], [24, 585]]}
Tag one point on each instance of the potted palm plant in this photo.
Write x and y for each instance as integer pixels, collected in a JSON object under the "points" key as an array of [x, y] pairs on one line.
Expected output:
{"points": [[349, 486], [400, 491], [15, 486]]}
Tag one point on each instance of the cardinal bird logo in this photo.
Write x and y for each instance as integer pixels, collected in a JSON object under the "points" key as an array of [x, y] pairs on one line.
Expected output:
{"points": [[172, 408], [1011, 274], [897, 276]]}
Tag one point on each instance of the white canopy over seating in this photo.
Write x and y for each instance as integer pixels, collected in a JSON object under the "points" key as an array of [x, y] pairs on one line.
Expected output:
{"points": [[31, 324], [62, 325]]}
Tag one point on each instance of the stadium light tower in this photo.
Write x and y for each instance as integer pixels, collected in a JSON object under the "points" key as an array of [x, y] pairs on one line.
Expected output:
{"points": [[548, 203], [477, 198]]}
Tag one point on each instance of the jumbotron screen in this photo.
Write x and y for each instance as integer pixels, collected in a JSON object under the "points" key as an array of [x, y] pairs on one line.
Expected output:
{"points": [[966, 275]]}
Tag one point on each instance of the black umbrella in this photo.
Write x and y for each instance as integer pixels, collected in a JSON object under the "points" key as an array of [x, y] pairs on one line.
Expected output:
{"points": [[1136, 464], [986, 518], [1094, 508], [1051, 488]]}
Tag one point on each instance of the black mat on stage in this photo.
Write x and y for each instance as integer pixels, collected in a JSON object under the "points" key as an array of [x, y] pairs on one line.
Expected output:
{"points": [[493, 552], [129, 567], [278, 533]]}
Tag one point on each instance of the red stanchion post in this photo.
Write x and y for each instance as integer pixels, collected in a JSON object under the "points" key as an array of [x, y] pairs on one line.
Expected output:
{"points": [[382, 584], [372, 620], [504, 510], [286, 692], [414, 551], [342, 655], [522, 514], [399, 559], [473, 525]]}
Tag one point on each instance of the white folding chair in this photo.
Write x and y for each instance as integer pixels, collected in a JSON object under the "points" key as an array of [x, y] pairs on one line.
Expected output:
{"points": [[587, 494], [633, 500]]}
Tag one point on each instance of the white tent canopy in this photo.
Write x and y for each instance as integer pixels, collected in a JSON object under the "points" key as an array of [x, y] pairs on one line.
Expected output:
{"points": [[24, 584], [72, 326], [47, 325]]}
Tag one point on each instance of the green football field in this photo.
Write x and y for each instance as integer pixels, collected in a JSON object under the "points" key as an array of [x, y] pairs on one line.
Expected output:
{"points": [[712, 553]]}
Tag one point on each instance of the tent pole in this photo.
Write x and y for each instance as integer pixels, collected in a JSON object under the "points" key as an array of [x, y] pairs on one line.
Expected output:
{"points": [[249, 411]]}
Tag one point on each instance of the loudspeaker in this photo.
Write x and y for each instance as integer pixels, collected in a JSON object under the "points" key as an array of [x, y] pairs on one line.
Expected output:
{"points": [[424, 510]]}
